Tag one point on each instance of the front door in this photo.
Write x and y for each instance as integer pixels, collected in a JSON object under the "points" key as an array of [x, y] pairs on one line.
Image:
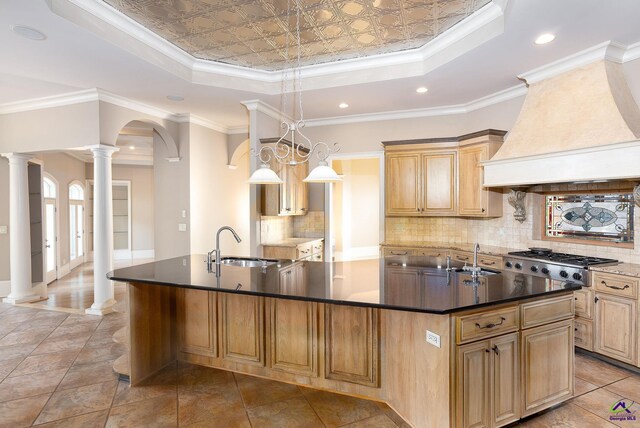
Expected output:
{"points": [[51, 239]]}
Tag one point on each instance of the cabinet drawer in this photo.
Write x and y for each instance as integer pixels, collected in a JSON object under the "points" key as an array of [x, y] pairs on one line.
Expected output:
{"points": [[583, 335], [317, 247], [547, 311], [304, 250], [390, 251], [430, 252], [462, 256], [584, 303], [615, 284], [489, 261], [487, 324]]}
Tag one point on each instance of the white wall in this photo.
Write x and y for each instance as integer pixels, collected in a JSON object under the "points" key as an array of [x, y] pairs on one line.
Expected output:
{"points": [[4, 219], [219, 195]]}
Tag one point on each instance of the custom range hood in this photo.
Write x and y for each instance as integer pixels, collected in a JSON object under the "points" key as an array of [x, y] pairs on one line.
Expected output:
{"points": [[579, 123]]}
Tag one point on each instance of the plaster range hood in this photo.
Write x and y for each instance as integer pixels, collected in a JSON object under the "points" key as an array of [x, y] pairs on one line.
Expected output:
{"points": [[581, 125]]}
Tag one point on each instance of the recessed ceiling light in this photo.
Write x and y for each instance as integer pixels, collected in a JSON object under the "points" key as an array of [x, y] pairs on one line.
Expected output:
{"points": [[28, 32], [545, 38], [343, 105], [132, 147], [422, 90], [175, 98]]}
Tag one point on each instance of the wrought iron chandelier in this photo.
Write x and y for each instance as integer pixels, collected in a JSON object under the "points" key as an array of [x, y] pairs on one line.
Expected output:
{"points": [[289, 151]]}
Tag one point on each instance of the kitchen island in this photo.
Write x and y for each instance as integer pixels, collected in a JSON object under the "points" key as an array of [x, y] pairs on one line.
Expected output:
{"points": [[441, 348]]}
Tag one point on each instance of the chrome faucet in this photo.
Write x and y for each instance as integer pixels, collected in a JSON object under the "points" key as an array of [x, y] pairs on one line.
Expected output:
{"points": [[475, 269], [217, 250]]}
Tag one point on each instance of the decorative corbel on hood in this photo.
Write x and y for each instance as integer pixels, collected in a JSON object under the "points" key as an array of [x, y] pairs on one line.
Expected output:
{"points": [[579, 125], [516, 200]]}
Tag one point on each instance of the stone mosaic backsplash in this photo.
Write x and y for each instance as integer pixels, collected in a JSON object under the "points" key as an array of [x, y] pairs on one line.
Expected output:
{"points": [[277, 228]]}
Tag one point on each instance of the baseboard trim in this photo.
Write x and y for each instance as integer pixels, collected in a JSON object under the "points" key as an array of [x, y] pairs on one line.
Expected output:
{"points": [[5, 288], [63, 271]]}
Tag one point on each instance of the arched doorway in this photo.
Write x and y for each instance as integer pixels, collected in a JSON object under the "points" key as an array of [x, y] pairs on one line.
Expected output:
{"points": [[76, 224], [52, 250]]}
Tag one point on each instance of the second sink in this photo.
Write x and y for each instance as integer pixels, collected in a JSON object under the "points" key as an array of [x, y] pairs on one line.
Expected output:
{"points": [[247, 262]]}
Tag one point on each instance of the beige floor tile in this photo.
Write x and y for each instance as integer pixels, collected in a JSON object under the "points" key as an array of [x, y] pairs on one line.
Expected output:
{"points": [[598, 402], [88, 374], [198, 406], [292, 413], [233, 419], [24, 337], [567, 416], [77, 401], [379, 421], [627, 388], [7, 366], [256, 392], [95, 355], [89, 420], [202, 379], [29, 385], [336, 410], [45, 362], [582, 387], [16, 351], [126, 394], [22, 412], [598, 372], [157, 412], [62, 343]]}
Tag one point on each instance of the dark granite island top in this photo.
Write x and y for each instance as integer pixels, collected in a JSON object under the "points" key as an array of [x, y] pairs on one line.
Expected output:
{"points": [[419, 284]]}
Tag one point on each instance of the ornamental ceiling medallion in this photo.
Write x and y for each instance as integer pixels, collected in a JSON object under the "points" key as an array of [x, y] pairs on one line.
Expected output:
{"points": [[254, 33]]}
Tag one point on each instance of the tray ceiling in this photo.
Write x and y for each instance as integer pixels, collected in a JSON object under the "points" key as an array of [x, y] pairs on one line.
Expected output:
{"points": [[253, 33]]}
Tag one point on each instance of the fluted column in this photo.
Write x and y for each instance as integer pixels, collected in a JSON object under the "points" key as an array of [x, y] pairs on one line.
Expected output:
{"points": [[103, 300], [19, 230]]}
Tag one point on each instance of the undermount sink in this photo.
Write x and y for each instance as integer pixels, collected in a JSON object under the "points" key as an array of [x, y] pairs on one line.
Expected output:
{"points": [[483, 272], [247, 262]]}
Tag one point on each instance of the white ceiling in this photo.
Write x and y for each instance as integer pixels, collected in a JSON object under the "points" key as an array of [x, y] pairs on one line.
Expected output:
{"points": [[73, 58]]}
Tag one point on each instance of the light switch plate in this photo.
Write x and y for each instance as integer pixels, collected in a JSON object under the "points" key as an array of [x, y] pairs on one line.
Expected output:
{"points": [[3, 230], [184, 213], [182, 227], [433, 338]]}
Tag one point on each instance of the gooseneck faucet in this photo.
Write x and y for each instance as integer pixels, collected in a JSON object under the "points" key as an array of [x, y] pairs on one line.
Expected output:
{"points": [[475, 269], [217, 250]]}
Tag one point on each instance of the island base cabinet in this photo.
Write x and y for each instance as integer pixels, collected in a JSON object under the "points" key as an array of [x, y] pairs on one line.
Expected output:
{"points": [[242, 328], [197, 324], [487, 383], [547, 366]]}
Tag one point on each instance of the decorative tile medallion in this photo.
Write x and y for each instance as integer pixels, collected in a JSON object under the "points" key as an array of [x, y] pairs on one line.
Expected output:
{"points": [[606, 217]]}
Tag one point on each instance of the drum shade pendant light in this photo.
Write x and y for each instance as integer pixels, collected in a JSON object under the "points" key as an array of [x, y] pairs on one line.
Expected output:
{"points": [[292, 152]]}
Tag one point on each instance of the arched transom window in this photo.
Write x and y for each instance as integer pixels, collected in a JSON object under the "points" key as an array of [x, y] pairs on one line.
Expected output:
{"points": [[49, 188], [76, 192]]}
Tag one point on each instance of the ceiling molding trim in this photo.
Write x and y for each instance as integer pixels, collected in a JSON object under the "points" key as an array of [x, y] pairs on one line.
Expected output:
{"points": [[489, 100], [233, 130], [52, 101], [269, 110], [117, 28], [609, 50], [632, 53], [138, 106], [198, 120]]}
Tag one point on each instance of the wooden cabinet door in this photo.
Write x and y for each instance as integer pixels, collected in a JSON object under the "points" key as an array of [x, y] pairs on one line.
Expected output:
{"points": [[505, 379], [242, 328], [197, 323], [547, 356], [439, 183], [351, 344], [615, 325], [473, 385], [473, 197], [293, 336], [271, 194], [584, 303], [288, 189], [301, 199], [403, 191], [402, 286]]}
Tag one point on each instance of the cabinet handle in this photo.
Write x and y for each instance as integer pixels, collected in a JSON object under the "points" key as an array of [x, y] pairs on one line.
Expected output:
{"points": [[398, 254], [484, 262], [613, 286], [575, 298], [239, 286], [496, 350], [575, 329], [492, 325], [303, 209], [596, 299], [483, 210], [464, 259], [487, 351]]}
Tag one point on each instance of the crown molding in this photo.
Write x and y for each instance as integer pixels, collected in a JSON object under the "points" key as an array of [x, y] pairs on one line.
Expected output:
{"points": [[611, 51], [119, 29], [51, 101], [632, 53], [269, 110]]}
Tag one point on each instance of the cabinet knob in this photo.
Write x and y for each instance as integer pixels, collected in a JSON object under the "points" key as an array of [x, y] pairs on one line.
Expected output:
{"points": [[496, 350], [595, 300], [482, 209]]}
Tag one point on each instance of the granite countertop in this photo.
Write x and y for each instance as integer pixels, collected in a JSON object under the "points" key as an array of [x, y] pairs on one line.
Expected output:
{"points": [[376, 283], [484, 249], [628, 269], [291, 242]]}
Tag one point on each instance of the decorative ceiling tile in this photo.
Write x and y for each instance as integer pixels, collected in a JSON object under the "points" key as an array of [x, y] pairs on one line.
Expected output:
{"points": [[256, 33]]}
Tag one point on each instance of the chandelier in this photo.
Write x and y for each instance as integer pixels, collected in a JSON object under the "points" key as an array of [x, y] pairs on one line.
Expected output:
{"points": [[290, 152]]}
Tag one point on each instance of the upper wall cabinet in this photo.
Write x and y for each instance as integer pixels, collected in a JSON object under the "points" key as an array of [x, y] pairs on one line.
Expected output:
{"points": [[441, 177], [290, 197]]}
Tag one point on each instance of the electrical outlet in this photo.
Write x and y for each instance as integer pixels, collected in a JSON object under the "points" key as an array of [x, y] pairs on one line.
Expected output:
{"points": [[184, 213], [3, 230], [182, 227], [433, 338]]}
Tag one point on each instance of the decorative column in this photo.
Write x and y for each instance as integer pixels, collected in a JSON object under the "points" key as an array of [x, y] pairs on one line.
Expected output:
{"points": [[103, 300], [20, 230]]}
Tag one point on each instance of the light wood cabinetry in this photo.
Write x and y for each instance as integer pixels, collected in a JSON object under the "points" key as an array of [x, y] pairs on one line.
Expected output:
{"points": [[242, 322], [484, 260], [290, 197], [421, 183], [474, 200], [293, 332], [197, 323], [351, 344], [583, 333], [442, 177], [294, 251], [547, 360], [616, 323]]}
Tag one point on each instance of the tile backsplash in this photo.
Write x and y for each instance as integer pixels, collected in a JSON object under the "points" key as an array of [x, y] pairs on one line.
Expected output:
{"points": [[502, 232], [277, 228]]}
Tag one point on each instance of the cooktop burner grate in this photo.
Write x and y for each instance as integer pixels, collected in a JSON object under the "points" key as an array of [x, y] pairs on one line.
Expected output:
{"points": [[572, 259]]}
